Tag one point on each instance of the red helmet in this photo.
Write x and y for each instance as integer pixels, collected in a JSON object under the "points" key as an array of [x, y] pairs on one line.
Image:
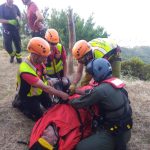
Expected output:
{"points": [[39, 46]]}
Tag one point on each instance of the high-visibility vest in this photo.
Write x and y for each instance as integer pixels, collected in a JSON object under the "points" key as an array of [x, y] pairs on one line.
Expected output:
{"points": [[28, 68], [54, 65], [102, 46]]}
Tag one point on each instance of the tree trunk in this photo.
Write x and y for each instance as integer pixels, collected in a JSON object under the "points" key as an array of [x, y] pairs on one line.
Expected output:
{"points": [[72, 39]]}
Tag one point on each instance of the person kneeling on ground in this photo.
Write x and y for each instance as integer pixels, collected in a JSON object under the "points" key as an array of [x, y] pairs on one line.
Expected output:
{"points": [[113, 127], [32, 87], [84, 52], [56, 66]]}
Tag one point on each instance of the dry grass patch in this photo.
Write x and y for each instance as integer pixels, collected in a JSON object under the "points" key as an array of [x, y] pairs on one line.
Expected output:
{"points": [[14, 126]]}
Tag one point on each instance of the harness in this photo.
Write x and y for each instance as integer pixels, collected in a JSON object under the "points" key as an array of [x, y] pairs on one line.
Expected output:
{"points": [[119, 124], [54, 65]]}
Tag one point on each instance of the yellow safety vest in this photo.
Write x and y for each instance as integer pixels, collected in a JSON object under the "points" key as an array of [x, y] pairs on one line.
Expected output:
{"points": [[101, 46], [27, 67], [56, 65]]}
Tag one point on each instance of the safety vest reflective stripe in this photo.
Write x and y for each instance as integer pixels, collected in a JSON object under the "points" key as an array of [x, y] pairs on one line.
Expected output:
{"points": [[99, 49], [13, 53], [27, 67], [104, 43], [18, 55], [58, 67], [102, 46]]}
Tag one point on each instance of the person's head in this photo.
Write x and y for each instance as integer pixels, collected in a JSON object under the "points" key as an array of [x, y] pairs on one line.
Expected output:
{"points": [[52, 36], [26, 2], [48, 139], [9, 2], [39, 49], [82, 52], [100, 69]]}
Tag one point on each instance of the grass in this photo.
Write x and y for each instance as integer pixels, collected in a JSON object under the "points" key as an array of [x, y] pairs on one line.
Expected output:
{"points": [[14, 126]]}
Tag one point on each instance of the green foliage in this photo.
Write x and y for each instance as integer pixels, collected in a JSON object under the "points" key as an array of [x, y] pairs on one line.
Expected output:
{"points": [[58, 20], [23, 26], [145, 72], [24, 42], [142, 52], [1, 42], [137, 68], [84, 29]]}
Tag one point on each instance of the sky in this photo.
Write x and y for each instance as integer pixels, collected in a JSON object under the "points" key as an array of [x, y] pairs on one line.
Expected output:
{"points": [[127, 21]]}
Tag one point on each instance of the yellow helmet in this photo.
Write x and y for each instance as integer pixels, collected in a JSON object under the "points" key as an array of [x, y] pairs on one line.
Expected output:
{"points": [[52, 36], [39, 46], [80, 49]]}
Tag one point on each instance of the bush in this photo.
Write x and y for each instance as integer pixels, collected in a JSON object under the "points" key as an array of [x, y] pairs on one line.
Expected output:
{"points": [[1, 43], [24, 42], [137, 68], [145, 72]]}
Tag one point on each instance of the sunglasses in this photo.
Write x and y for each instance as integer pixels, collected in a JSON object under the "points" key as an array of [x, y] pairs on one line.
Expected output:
{"points": [[86, 59]]}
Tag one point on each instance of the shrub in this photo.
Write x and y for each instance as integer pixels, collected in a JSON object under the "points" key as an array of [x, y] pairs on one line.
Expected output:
{"points": [[137, 68], [24, 41], [1, 42]]}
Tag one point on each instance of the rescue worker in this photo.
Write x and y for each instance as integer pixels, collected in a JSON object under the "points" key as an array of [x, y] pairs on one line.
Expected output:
{"points": [[84, 52], [113, 126], [10, 17], [56, 65], [35, 19], [32, 87]]}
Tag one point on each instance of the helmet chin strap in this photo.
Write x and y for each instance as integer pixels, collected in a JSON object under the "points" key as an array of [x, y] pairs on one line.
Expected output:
{"points": [[88, 57]]}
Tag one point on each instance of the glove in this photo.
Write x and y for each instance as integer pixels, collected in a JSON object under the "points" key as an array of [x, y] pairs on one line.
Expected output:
{"points": [[65, 80], [13, 22], [72, 88], [86, 79]]}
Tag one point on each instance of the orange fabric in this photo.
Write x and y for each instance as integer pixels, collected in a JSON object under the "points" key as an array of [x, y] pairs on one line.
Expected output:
{"points": [[52, 36], [39, 46], [80, 49]]}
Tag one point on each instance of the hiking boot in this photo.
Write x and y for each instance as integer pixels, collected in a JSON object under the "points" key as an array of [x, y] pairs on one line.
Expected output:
{"points": [[12, 59], [19, 60], [16, 103]]}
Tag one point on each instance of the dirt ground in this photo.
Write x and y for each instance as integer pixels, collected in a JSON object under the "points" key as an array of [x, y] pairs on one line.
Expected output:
{"points": [[15, 127]]}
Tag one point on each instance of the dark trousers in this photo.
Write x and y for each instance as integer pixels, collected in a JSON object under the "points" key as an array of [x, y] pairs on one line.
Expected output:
{"points": [[9, 37], [31, 107], [102, 140], [39, 33]]}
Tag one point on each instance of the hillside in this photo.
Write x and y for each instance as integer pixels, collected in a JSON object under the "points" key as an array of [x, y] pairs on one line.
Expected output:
{"points": [[14, 126], [142, 52]]}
